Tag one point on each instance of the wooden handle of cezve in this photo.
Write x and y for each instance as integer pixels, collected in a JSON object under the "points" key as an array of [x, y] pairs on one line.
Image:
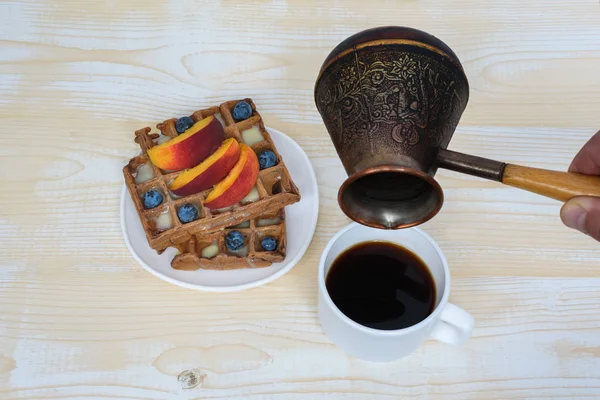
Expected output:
{"points": [[554, 184]]}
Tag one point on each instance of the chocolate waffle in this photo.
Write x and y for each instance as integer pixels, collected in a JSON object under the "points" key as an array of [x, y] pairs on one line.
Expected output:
{"points": [[274, 188], [209, 251]]}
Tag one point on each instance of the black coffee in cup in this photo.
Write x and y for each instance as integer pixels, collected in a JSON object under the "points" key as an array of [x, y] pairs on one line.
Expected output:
{"points": [[381, 285]]}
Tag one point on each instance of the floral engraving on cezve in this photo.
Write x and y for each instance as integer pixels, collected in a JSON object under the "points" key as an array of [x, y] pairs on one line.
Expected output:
{"points": [[403, 95]]}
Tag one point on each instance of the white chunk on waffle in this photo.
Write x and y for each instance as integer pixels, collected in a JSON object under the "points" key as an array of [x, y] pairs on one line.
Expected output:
{"points": [[144, 173], [252, 136]]}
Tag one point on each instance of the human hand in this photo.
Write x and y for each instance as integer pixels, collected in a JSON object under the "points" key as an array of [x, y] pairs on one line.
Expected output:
{"points": [[583, 213]]}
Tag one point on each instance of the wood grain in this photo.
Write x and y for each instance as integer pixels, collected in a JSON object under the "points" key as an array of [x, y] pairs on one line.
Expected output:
{"points": [[558, 185], [79, 319]]}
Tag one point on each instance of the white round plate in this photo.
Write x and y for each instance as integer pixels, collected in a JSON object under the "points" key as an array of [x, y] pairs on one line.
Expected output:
{"points": [[300, 219]]}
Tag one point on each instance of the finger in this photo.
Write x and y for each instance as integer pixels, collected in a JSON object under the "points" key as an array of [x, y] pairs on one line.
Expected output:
{"points": [[583, 214], [587, 161]]}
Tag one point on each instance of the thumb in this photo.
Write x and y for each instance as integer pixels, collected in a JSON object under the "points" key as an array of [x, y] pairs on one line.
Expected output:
{"points": [[583, 214]]}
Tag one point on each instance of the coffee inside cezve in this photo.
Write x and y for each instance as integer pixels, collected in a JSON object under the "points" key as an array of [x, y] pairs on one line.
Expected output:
{"points": [[381, 285]]}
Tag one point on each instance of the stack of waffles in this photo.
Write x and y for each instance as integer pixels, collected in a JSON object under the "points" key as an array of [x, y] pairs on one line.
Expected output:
{"points": [[201, 242]]}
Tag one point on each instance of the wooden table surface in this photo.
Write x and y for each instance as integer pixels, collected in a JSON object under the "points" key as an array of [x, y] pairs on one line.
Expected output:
{"points": [[79, 319]]}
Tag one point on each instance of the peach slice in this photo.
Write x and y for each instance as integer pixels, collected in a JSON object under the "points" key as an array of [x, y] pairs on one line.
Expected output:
{"points": [[238, 183], [190, 148], [209, 172]]}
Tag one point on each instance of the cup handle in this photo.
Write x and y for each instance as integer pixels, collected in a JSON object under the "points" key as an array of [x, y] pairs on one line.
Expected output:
{"points": [[454, 327]]}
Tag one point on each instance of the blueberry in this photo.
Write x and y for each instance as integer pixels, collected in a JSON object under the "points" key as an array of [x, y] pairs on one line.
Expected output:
{"points": [[183, 124], [242, 111], [152, 198], [187, 213], [267, 159], [268, 243], [234, 240]]}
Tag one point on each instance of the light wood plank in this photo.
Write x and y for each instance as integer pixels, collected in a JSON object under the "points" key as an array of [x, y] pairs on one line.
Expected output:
{"points": [[80, 320]]}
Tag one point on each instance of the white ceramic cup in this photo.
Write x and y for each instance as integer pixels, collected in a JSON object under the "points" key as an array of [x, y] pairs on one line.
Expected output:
{"points": [[447, 323]]}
